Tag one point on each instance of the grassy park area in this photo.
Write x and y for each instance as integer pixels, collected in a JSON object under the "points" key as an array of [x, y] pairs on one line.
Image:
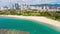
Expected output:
{"points": [[52, 14]]}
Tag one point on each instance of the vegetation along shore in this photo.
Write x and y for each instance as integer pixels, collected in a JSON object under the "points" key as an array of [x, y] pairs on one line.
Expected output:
{"points": [[50, 14]]}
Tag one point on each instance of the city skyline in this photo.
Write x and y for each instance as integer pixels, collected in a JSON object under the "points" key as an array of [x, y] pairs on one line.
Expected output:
{"points": [[7, 2]]}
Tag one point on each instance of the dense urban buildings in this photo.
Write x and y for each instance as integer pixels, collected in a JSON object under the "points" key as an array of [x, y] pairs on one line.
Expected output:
{"points": [[41, 7], [48, 7]]}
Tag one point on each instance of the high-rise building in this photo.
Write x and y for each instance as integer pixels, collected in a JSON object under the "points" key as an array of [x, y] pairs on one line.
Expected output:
{"points": [[11, 6], [23, 5], [16, 6]]}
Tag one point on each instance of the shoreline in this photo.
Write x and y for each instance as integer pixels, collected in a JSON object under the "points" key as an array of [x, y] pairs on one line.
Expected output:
{"points": [[37, 18]]}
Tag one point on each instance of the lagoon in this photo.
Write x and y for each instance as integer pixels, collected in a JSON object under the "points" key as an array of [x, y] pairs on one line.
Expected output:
{"points": [[31, 26]]}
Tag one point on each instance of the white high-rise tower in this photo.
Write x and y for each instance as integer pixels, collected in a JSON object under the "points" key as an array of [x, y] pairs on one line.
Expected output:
{"points": [[23, 5], [11, 5]]}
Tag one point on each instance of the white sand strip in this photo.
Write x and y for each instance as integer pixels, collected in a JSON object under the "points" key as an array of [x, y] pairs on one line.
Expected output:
{"points": [[37, 18]]}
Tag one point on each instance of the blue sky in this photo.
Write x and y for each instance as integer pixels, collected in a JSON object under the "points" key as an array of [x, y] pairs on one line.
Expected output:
{"points": [[7, 2]]}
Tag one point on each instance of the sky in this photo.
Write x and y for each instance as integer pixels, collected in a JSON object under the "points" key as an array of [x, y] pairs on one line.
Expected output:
{"points": [[7, 2]]}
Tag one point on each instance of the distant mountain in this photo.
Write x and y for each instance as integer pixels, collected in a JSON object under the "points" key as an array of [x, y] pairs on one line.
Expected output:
{"points": [[46, 5]]}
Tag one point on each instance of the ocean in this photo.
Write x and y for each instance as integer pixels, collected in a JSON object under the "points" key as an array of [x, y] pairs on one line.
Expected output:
{"points": [[33, 27]]}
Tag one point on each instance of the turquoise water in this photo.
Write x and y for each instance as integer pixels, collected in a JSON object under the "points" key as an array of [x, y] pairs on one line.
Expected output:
{"points": [[26, 25]]}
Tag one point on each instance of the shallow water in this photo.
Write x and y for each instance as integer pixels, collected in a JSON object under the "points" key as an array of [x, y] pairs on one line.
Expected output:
{"points": [[26, 25]]}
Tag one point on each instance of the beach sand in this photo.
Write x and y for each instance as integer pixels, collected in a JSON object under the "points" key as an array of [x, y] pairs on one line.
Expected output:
{"points": [[38, 18]]}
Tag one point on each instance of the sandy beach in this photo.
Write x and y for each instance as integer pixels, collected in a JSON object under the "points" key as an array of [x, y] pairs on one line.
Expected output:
{"points": [[38, 18]]}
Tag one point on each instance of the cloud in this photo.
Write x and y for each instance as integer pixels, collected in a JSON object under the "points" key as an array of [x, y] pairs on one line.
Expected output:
{"points": [[40, 1], [44, 1], [30, 1], [6, 2]]}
